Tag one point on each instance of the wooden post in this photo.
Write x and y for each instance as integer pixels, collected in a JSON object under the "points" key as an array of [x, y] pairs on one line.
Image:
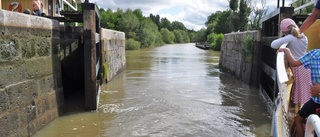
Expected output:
{"points": [[89, 40]]}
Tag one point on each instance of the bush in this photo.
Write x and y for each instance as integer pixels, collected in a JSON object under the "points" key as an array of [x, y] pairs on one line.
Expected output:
{"points": [[215, 41], [132, 44], [218, 42]]}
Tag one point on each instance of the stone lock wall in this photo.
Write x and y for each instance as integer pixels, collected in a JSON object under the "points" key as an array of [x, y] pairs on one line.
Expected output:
{"points": [[238, 63], [31, 92], [113, 53]]}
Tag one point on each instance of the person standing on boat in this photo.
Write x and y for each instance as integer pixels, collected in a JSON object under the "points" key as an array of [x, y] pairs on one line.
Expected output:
{"points": [[311, 18], [37, 6], [297, 43], [310, 60], [305, 25]]}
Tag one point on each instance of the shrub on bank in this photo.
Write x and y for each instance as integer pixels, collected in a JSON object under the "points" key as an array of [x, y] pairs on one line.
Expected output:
{"points": [[132, 44], [215, 41]]}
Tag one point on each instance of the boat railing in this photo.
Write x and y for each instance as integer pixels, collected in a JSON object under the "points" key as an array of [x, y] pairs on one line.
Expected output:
{"points": [[280, 121], [312, 126], [281, 126]]}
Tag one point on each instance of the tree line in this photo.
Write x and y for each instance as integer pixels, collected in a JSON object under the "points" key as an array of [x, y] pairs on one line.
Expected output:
{"points": [[153, 31]]}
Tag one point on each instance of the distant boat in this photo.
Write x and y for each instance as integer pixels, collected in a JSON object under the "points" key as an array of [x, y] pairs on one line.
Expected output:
{"points": [[203, 45]]}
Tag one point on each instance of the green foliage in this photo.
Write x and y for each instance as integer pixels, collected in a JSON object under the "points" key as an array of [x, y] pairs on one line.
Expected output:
{"points": [[219, 40], [128, 23], [105, 70], [167, 36], [149, 31], [224, 24], [247, 50], [138, 14], [215, 41], [181, 36], [244, 13], [176, 25], [233, 4], [192, 36], [149, 36], [201, 35], [165, 23], [155, 19], [132, 44]]}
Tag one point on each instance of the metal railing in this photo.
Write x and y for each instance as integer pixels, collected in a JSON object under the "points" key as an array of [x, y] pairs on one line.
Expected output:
{"points": [[73, 5]]}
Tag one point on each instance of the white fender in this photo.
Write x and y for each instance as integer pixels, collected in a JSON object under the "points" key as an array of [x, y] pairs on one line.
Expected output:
{"points": [[312, 126]]}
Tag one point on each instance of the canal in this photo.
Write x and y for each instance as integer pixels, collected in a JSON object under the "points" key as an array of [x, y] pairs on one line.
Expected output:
{"points": [[176, 90]]}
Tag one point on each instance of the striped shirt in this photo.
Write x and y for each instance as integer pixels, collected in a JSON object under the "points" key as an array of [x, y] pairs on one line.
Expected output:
{"points": [[311, 60]]}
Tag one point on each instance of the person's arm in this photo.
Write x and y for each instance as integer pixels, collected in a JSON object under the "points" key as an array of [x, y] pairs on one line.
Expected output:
{"points": [[315, 89], [310, 19], [289, 57], [32, 5], [278, 42]]}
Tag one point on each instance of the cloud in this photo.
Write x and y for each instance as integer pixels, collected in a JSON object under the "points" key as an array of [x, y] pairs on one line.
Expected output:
{"points": [[192, 13]]}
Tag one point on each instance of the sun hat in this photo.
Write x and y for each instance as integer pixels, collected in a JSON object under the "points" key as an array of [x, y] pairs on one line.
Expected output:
{"points": [[285, 23]]}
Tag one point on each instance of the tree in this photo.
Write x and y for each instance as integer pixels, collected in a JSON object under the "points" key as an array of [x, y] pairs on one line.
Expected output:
{"points": [[233, 4], [165, 23], [108, 19], [149, 35], [201, 35], [224, 24], [244, 11], [257, 14], [176, 25], [128, 24], [155, 19], [167, 36], [178, 36], [138, 14]]}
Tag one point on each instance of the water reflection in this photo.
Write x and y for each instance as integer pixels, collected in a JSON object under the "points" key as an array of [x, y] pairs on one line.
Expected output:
{"points": [[174, 90]]}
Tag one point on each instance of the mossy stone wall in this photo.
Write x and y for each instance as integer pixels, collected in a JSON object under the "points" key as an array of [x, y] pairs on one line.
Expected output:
{"points": [[31, 92]]}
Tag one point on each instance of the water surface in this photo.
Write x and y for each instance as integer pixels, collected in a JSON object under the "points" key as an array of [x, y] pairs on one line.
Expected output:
{"points": [[175, 90]]}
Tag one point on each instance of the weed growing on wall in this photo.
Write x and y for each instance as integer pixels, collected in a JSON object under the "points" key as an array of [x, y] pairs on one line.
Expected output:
{"points": [[247, 49], [105, 70]]}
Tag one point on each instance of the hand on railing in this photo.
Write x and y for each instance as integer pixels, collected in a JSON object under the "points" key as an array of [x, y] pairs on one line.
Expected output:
{"points": [[315, 89]]}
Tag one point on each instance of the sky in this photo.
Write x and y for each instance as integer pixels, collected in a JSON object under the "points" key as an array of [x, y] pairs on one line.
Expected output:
{"points": [[192, 13]]}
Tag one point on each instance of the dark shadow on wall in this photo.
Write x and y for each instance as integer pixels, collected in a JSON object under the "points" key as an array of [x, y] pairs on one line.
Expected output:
{"points": [[72, 69]]}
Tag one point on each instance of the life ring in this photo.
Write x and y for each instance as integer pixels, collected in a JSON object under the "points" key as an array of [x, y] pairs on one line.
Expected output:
{"points": [[15, 6]]}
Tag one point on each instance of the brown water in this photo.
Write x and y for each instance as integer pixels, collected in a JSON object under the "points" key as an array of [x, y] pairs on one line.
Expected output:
{"points": [[170, 91]]}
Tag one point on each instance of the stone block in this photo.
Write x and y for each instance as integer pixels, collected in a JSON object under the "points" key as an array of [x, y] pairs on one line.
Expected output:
{"points": [[42, 120], [22, 94], [27, 48], [4, 99], [9, 50], [43, 47], [10, 74], [27, 114], [38, 67], [47, 85], [42, 105], [16, 32], [9, 124]]}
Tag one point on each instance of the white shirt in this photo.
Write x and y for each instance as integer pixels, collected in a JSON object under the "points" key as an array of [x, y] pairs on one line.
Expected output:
{"points": [[297, 46]]}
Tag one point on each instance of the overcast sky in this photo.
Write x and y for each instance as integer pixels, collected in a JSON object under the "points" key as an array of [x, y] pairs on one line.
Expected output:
{"points": [[192, 13]]}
